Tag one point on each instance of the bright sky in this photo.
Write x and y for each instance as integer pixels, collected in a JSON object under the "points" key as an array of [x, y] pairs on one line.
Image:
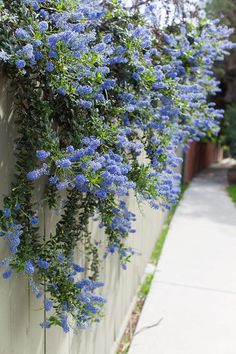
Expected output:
{"points": [[161, 12]]}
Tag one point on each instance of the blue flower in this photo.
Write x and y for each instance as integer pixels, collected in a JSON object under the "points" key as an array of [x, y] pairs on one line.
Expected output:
{"points": [[34, 220], [60, 257], [109, 84], [96, 298], [84, 90], [33, 175], [99, 48], [20, 64], [38, 294], [12, 235], [42, 154], [7, 274], [27, 51], [62, 185], [101, 194], [63, 163], [43, 264], [5, 262], [85, 104], [107, 38], [37, 43], [91, 308], [88, 284], [70, 149], [112, 248], [95, 165], [61, 91], [99, 96], [64, 323], [49, 66], [36, 174], [6, 212], [136, 76], [44, 13], [78, 268], [35, 5], [48, 304], [38, 55], [80, 180], [29, 267], [53, 179], [45, 324], [22, 34], [43, 26]]}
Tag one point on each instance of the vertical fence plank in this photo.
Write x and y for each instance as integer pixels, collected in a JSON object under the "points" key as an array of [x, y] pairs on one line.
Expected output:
{"points": [[5, 325], [13, 294]]}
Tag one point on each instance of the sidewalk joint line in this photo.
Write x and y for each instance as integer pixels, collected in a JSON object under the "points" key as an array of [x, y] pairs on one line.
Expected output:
{"points": [[197, 287]]}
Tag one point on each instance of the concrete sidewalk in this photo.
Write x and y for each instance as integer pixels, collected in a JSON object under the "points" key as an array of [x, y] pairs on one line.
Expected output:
{"points": [[191, 307]]}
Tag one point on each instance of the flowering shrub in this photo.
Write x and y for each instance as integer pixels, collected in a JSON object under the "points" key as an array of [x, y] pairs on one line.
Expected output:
{"points": [[96, 90]]}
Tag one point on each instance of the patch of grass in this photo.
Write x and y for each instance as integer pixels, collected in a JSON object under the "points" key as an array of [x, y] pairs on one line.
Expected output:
{"points": [[146, 285], [232, 192], [156, 253]]}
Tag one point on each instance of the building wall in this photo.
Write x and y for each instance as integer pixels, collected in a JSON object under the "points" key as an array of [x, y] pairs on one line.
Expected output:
{"points": [[199, 156], [21, 313]]}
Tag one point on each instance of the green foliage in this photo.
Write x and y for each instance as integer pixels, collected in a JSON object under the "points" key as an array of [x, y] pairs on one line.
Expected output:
{"points": [[145, 287], [229, 129], [232, 192]]}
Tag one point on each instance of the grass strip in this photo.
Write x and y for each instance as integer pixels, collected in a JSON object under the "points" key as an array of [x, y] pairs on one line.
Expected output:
{"points": [[232, 192]]}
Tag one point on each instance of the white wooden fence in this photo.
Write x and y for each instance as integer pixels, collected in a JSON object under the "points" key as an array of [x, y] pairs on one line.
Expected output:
{"points": [[21, 313]]}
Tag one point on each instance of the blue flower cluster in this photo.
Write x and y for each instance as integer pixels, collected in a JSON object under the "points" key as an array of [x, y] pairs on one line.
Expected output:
{"points": [[70, 35], [122, 219], [89, 171], [88, 304], [162, 96], [132, 105], [11, 232]]}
